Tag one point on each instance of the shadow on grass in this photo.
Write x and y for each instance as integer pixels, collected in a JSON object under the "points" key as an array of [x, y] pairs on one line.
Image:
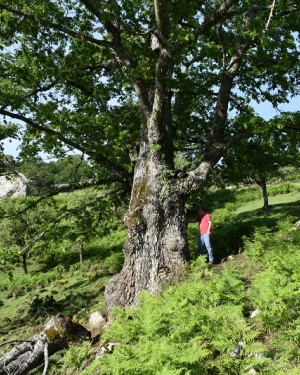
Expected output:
{"points": [[92, 252], [227, 238], [69, 301], [276, 211]]}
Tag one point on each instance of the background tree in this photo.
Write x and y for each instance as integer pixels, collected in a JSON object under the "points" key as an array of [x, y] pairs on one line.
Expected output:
{"points": [[261, 157], [128, 83], [16, 230]]}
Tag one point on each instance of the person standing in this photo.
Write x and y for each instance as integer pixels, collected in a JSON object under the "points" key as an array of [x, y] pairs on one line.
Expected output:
{"points": [[204, 221]]}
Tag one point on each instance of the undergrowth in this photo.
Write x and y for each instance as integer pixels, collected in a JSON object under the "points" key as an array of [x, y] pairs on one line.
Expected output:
{"points": [[193, 327], [204, 324]]}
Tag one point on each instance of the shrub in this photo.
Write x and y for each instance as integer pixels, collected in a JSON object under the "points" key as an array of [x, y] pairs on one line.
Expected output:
{"points": [[283, 188], [76, 357], [114, 263]]}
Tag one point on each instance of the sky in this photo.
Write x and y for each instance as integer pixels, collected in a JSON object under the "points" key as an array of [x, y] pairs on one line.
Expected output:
{"points": [[265, 110]]}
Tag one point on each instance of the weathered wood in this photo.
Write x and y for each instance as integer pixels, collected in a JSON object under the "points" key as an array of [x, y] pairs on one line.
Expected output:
{"points": [[55, 335]]}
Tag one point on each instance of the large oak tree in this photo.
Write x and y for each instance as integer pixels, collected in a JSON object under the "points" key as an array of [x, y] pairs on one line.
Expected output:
{"points": [[129, 84]]}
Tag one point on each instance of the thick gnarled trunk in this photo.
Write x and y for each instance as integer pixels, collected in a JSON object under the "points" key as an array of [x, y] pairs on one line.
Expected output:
{"points": [[156, 248]]}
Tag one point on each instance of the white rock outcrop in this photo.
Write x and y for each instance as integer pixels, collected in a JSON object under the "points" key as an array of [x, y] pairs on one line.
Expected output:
{"points": [[13, 186]]}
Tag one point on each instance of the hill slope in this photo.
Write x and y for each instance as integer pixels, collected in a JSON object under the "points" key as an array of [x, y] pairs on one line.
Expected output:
{"points": [[195, 324]]}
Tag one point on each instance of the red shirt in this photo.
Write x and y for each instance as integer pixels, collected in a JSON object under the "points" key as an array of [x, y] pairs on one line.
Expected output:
{"points": [[203, 223]]}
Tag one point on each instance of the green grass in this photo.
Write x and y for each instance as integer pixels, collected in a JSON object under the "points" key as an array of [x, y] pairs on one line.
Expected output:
{"points": [[30, 300], [235, 220], [273, 201]]}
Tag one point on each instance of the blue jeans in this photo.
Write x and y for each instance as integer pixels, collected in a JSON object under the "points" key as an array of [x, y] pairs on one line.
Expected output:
{"points": [[204, 239]]}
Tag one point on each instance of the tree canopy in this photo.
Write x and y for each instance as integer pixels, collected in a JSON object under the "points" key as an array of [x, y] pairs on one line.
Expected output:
{"points": [[74, 71]]}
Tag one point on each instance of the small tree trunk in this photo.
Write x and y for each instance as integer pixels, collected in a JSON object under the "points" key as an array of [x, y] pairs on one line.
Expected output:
{"points": [[24, 263], [55, 336], [81, 253], [263, 185]]}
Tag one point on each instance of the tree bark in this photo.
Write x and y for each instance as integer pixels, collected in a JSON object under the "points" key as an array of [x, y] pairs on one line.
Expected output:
{"points": [[156, 248], [24, 263], [81, 254], [263, 186], [55, 336]]}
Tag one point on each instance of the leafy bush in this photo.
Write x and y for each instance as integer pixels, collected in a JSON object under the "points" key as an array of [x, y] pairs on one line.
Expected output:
{"points": [[76, 357], [283, 188], [290, 173], [114, 263]]}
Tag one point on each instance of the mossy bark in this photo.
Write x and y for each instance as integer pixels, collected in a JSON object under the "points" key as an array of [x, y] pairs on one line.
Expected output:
{"points": [[156, 249]]}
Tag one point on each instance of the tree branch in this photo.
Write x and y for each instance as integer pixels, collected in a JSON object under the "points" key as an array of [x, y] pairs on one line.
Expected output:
{"points": [[42, 89], [12, 341], [93, 9], [9, 165], [221, 110], [210, 21], [159, 118], [236, 139], [127, 63], [89, 69], [58, 27], [42, 128], [270, 15], [217, 146], [65, 215], [46, 358], [162, 18], [98, 157], [60, 188]]}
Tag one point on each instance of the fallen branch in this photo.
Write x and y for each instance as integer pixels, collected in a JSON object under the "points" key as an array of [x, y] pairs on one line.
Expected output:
{"points": [[12, 341], [56, 335], [46, 358]]}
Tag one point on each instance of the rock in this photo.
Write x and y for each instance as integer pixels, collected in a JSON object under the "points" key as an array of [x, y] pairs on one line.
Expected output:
{"points": [[297, 225], [252, 371], [97, 320], [106, 349], [259, 356], [255, 313], [13, 186], [236, 352]]}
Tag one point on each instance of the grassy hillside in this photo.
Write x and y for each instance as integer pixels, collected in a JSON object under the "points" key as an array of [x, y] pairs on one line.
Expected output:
{"points": [[195, 324], [241, 317]]}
